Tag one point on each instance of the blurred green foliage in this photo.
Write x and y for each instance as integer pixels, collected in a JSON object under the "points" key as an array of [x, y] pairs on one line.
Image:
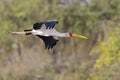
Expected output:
{"points": [[107, 64], [94, 59]]}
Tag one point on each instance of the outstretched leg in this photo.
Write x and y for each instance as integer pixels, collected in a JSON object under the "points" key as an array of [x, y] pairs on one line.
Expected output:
{"points": [[17, 32]]}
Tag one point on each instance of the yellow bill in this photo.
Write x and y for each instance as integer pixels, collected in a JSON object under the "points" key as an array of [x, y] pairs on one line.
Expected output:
{"points": [[79, 36]]}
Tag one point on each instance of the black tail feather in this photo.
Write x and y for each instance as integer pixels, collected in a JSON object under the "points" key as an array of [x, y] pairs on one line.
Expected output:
{"points": [[27, 31]]}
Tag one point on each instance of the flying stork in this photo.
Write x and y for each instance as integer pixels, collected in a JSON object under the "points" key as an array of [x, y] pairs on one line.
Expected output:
{"points": [[46, 31]]}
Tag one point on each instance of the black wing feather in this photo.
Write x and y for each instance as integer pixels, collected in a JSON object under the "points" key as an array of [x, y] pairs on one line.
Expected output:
{"points": [[49, 41], [48, 24]]}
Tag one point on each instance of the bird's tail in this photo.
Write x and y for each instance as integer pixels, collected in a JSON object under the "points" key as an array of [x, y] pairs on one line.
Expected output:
{"points": [[28, 31]]}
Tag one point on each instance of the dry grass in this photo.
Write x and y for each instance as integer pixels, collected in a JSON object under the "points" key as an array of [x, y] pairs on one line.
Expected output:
{"points": [[36, 64]]}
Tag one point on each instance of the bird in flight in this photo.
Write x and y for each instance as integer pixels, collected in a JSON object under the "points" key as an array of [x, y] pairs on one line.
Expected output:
{"points": [[46, 31]]}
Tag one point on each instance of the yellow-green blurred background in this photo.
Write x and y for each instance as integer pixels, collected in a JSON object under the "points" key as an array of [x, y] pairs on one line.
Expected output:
{"points": [[24, 57]]}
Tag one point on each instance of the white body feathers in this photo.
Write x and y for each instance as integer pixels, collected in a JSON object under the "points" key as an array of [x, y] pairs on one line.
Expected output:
{"points": [[49, 32]]}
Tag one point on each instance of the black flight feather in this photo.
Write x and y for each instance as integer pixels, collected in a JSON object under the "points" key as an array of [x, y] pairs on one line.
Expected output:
{"points": [[49, 41], [48, 24]]}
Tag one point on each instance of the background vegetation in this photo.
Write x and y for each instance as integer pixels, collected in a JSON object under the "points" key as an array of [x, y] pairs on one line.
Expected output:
{"points": [[24, 57]]}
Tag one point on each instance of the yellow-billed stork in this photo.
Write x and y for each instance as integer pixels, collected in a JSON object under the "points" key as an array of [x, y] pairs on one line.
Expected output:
{"points": [[46, 31]]}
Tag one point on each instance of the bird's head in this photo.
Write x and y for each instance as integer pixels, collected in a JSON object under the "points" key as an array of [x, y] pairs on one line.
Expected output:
{"points": [[77, 36]]}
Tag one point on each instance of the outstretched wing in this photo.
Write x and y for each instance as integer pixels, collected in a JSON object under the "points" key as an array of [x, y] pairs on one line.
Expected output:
{"points": [[46, 24], [49, 41]]}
